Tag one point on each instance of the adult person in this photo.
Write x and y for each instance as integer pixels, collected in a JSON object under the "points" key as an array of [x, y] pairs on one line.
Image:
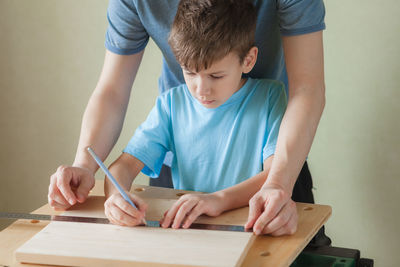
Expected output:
{"points": [[289, 39]]}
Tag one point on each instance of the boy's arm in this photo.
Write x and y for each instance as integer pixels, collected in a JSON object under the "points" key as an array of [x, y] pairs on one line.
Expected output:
{"points": [[124, 169], [101, 126], [239, 195], [117, 209], [190, 206]]}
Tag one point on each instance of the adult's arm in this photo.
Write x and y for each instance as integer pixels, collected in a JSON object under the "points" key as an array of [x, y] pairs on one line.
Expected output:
{"points": [[101, 126], [271, 209]]}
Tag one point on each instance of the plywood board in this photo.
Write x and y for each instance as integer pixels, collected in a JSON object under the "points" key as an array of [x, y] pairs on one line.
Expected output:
{"points": [[81, 244]]}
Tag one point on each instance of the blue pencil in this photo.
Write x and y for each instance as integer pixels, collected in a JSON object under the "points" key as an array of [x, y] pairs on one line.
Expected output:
{"points": [[112, 179]]}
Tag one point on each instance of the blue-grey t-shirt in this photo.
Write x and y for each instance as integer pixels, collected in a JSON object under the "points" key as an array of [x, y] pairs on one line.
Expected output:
{"points": [[132, 22]]}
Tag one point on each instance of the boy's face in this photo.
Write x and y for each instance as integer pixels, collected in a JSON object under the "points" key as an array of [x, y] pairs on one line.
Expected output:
{"points": [[213, 86]]}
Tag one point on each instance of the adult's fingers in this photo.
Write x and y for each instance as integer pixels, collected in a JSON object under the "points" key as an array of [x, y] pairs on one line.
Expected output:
{"points": [[256, 206], [84, 187], [57, 202], [63, 180], [281, 219], [55, 198], [56, 205], [289, 228], [271, 209]]}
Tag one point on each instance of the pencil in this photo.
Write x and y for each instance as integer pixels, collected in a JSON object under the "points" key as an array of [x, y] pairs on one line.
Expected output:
{"points": [[112, 179]]}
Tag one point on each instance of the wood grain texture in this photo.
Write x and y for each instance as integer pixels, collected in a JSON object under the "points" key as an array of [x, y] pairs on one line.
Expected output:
{"points": [[85, 244], [265, 250]]}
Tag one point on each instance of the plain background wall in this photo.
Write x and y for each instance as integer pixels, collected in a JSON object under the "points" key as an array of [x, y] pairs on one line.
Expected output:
{"points": [[51, 53]]}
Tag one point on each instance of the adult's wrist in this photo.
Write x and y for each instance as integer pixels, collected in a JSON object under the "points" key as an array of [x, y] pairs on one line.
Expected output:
{"points": [[85, 162], [274, 182]]}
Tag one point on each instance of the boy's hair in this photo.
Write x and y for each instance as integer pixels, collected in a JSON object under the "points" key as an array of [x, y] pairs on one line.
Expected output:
{"points": [[205, 31]]}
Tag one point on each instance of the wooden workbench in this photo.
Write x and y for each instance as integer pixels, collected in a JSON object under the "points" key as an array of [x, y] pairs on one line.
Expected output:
{"points": [[265, 251]]}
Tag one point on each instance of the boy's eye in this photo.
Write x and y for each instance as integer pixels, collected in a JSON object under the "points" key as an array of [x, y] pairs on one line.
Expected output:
{"points": [[216, 77]]}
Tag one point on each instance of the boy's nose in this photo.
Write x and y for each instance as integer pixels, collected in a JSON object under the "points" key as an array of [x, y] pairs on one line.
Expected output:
{"points": [[203, 88]]}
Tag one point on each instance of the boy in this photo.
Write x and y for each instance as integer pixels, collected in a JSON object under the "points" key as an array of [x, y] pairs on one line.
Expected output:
{"points": [[212, 124]]}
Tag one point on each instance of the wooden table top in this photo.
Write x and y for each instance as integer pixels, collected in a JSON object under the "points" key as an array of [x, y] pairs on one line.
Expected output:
{"points": [[265, 250]]}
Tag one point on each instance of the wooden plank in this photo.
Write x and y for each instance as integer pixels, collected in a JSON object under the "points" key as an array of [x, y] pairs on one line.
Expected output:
{"points": [[78, 244], [81, 244], [263, 252]]}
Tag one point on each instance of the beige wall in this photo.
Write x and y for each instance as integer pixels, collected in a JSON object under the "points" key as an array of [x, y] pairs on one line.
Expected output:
{"points": [[355, 159], [51, 53], [50, 57]]}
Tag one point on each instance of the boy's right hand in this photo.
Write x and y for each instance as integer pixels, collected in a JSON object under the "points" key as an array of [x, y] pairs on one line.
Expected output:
{"points": [[120, 212], [69, 185]]}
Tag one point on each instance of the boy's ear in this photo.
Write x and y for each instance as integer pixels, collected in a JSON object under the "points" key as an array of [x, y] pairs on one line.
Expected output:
{"points": [[250, 59]]}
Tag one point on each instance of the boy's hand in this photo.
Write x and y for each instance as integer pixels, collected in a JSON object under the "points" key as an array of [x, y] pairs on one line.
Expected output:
{"points": [[272, 211], [69, 185], [120, 212], [188, 207]]}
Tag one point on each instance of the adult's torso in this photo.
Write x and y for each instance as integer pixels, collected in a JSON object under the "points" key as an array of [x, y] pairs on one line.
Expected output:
{"points": [[133, 22]]}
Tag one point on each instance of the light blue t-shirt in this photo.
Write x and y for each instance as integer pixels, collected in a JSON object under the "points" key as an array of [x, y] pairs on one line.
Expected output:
{"points": [[132, 22], [213, 148]]}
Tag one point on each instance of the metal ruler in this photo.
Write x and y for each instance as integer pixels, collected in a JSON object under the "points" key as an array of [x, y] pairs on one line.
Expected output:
{"points": [[63, 218]]}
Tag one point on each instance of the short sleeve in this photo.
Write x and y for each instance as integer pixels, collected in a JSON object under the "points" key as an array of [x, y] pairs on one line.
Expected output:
{"points": [[300, 16], [277, 103], [125, 33], [152, 139]]}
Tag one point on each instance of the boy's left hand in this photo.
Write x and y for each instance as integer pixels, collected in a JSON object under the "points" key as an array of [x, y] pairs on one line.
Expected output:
{"points": [[188, 207]]}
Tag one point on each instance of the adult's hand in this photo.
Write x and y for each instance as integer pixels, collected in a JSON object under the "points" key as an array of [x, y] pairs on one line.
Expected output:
{"points": [[69, 185], [272, 211]]}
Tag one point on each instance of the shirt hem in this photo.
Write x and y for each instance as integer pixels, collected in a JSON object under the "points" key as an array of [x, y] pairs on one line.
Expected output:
{"points": [[148, 169], [269, 152], [304, 30], [125, 52]]}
